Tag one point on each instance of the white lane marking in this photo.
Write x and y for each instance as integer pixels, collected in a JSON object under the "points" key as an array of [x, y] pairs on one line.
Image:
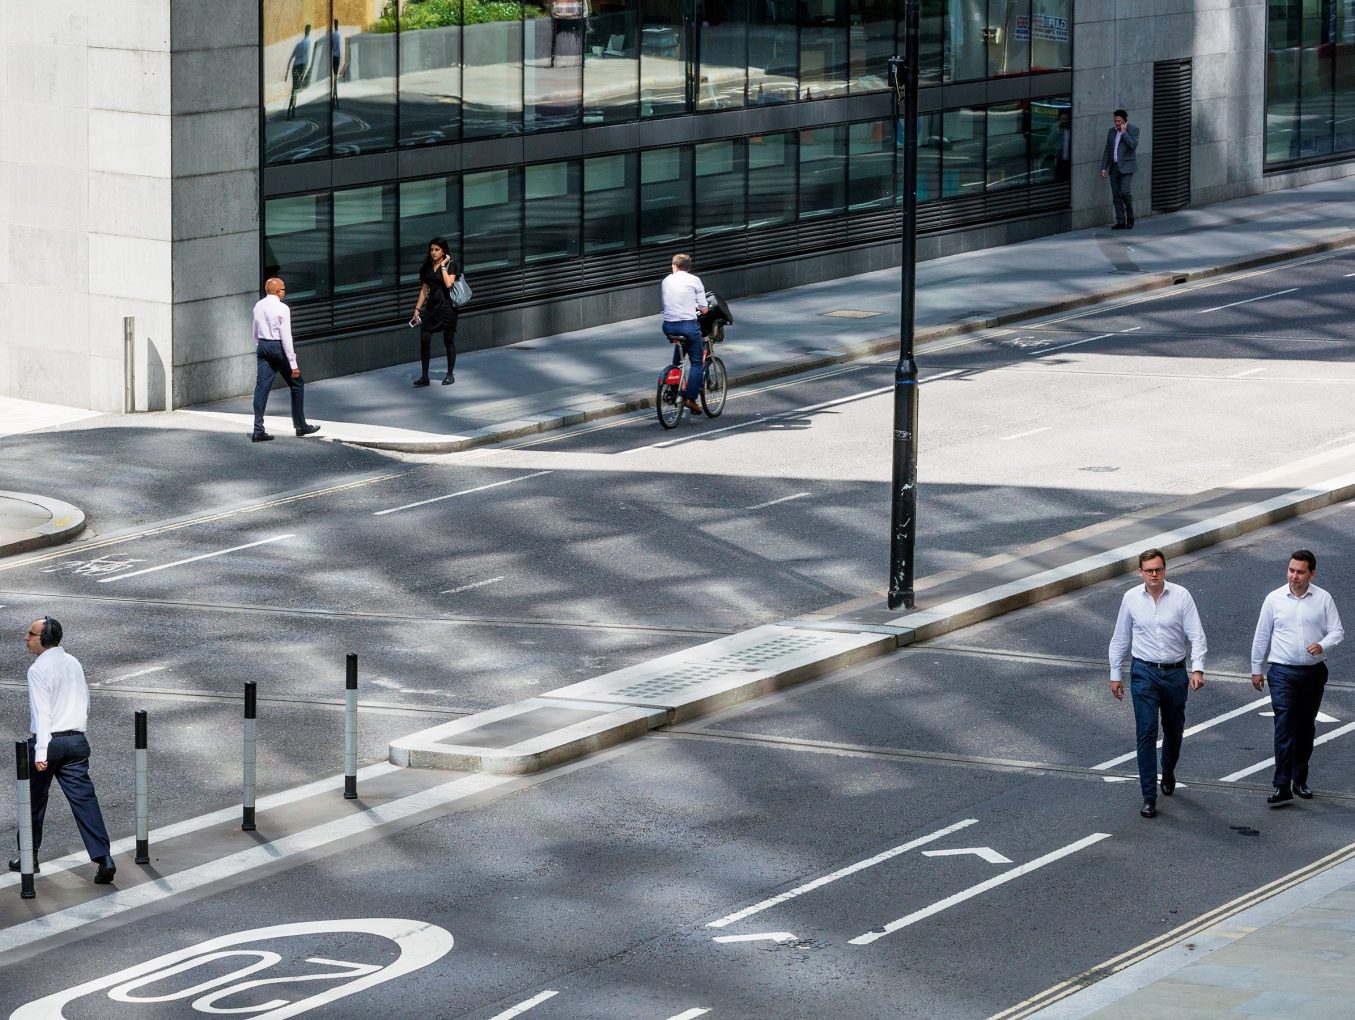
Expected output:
{"points": [[1243, 773], [1234, 304], [762, 936], [463, 492], [690, 1014], [1131, 329], [1350, 274], [975, 890], [336, 831], [1197, 728], [194, 559], [522, 1007], [1047, 350], [473, 584], [986, 852], [190, 825], [851, 869], [794, 412], [1250, 371], [1321, 717], [1022, 435], [1134, 779], [127, 676], [774, 502]]}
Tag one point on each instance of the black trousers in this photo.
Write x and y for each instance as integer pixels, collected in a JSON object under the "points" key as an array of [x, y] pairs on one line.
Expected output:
{"points": [[1296, 695], [1120, 196], [448, 342], [272, 360], [68, 764]]}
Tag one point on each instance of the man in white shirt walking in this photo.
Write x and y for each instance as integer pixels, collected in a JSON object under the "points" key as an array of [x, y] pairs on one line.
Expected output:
{"points": [[58, 707], [1298, 626], [684, 301], [276, 354], [1155, 623]]}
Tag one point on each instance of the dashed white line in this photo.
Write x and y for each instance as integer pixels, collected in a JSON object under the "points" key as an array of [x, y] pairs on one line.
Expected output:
{"points": [[522, 1007], [690, 1014], [761, 936], [851, 869], [1022, 435], [473, 584], [1131, 329], [194, 559], [463, 492], [1060, 347], [1234, 304], [975, 890], [1243, 773], [1250, 371], [774, 502], [1197, 728], [127, 676]]}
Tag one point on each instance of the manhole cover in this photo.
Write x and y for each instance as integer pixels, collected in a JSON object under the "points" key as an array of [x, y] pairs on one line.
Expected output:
{"points": [[1099, 468], [852, 313]]}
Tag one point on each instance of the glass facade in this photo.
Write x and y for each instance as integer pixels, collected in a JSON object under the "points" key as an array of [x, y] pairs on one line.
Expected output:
{"points": [[346, 78], [1310, 80]]}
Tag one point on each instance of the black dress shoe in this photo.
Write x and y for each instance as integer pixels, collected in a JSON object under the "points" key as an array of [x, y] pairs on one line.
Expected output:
{"points": [[14, 865], [308, 430], [1149, 809], [448, 379], [1302, 790], [1119, 226], [1280, 795], [421, 381], [260, 437], [1129, 223], [1168, 784], [107, 869]]}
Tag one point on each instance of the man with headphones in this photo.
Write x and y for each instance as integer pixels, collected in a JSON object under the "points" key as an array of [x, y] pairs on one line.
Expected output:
{"points": [[58, 707]]}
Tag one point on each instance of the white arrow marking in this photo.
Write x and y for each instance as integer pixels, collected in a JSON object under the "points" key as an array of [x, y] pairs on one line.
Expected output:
{"points": [[1118, 779], [1321, 716], [772, 936], [986, 852]]}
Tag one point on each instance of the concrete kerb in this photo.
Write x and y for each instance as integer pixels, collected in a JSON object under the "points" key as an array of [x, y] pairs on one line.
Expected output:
{"points": [[719, 674], [564, 417], [63, 523]]}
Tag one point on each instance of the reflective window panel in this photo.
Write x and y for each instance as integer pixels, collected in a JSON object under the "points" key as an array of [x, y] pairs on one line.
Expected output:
{"points": [[430, 71], [872, 43], [491, 219], [364, 239], [871, 165], [1008, 37], [1051, 140], [719, 188], [551, 211], [962, 163], [967, 37], [296, 244], [552, 64], [428, 209], [491, 83], [722, 55], [771, 179], [930, 144], [611, 62], [823, 48], [1007, 162], [361, 50], [666, 195], [823, 171], [773, 52], [1051, 35], [609, 198], [663, 58], [296, 87]]}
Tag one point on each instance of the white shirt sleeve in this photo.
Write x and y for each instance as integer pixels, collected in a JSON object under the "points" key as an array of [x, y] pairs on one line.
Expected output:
{"points": [[1190, 622], [285, 327], [1121, 640], [1260, 642], [40, 697], [1335, 632]]}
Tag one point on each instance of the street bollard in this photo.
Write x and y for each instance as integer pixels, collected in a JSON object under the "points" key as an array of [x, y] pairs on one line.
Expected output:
{"points": [[142, 798], [350, 730], [251, 709], [25, 810]]}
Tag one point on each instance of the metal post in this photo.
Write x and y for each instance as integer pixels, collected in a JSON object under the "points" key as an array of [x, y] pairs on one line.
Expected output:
{"points": [[142, 799], [128, 364], [251, 709], [25, 809], [350, 729], [903, 517]]}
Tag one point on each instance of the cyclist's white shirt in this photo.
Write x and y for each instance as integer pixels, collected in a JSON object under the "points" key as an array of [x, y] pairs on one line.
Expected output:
{"points": [[683, 294]]}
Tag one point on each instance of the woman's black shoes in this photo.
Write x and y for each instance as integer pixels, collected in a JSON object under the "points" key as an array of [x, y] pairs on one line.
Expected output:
{"points": [[448, 379], [421, 381]]}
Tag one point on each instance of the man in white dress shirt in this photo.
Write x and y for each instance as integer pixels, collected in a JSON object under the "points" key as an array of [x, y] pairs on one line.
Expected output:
{"points": [[58, 707], [1155, 623], [684, 302], [1298, 626], [276, 355]]}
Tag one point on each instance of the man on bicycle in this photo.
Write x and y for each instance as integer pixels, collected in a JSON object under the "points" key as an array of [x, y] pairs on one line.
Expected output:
{"points": [[684, 298]]}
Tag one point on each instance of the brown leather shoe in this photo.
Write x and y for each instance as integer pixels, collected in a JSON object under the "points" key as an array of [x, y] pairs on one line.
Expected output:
{"points": [[691, 406]]}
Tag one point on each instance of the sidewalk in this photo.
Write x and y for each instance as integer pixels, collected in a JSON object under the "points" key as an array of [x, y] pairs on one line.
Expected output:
{"points": [[561, 380], [30, 522]]}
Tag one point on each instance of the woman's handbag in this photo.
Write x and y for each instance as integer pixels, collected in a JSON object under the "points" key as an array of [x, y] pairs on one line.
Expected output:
{"points": [[461, 292]]}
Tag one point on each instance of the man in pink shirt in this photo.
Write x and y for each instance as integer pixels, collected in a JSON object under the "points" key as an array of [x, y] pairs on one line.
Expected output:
{"points": [[276, 354]]}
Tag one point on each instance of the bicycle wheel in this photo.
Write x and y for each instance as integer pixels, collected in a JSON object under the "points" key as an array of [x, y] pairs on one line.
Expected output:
{"points": [[714, 388], [668, 405]]}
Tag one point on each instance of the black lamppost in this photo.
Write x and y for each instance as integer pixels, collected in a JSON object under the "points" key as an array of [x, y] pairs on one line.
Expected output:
{"points": [[903, 76]]}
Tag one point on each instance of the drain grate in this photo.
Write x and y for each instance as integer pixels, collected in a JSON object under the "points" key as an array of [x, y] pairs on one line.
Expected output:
{"points": [[851, 313], [742, 661]]}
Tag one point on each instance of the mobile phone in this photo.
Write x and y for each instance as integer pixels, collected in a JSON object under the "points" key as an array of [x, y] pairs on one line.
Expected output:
{"points": [[415, 321]]}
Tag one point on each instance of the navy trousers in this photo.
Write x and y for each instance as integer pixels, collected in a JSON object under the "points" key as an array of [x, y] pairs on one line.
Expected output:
{"points": [[1296, 695], [68, 764], [273, 361], [1120, 197], [688, 331], [1158, 692]]}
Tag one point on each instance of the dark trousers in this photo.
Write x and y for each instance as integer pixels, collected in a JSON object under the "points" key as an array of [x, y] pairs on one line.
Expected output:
{"points": [[689, 331], [1157, 692], [448, 342], [68, 764], [1120, 196], [1296, 695], [273, 362]]}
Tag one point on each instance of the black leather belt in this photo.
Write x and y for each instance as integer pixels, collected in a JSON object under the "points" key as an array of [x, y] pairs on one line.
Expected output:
{"points": [[68, 733], [1162, 665]]}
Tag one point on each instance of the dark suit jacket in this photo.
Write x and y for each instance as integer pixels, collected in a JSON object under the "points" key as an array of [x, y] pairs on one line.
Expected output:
{"points": [[1130, 142]]}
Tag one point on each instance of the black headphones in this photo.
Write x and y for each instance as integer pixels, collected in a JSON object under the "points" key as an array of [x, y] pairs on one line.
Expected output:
{"points": [[51, 633]]}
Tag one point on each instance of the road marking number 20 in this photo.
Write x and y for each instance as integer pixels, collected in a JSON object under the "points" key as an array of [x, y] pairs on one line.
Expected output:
{"points": [[418, 945]]}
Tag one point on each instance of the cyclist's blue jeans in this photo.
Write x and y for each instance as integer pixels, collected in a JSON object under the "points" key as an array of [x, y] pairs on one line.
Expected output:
{"points": [[690, 332]]}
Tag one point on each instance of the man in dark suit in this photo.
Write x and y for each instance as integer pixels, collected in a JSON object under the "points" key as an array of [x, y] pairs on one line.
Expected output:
{"points": [[1119, 163]]}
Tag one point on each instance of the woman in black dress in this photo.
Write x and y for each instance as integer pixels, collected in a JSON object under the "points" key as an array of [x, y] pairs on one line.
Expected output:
{"points": [[434, 311]]}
